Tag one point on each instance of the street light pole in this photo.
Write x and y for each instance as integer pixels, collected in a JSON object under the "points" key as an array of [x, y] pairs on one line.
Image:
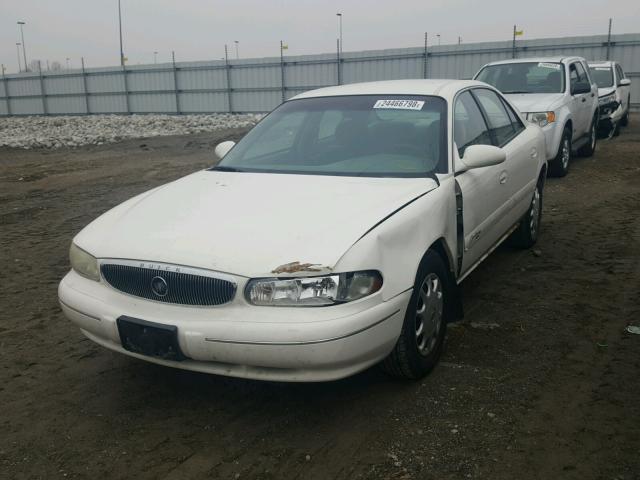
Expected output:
{"points": [[339, 15], [24, 51], [18, 51], [120, 28], [237, 54]]}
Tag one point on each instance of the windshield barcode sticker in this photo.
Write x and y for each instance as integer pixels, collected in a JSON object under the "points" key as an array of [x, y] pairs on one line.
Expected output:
{"points": [[555, 66], [400, 104]]}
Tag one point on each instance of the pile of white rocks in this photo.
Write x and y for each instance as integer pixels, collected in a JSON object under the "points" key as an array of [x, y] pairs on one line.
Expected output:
{"points": [[75, 131]]}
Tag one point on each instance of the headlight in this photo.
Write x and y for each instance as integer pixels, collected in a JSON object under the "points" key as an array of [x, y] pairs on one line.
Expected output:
{"points": [[541, 118], [313, 291], [83, 263], [607, 99]]}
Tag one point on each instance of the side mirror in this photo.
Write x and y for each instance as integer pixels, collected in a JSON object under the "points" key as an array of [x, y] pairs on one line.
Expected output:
{"points": [[580, 87], [223, 148], [625, 82], [478, 156]]}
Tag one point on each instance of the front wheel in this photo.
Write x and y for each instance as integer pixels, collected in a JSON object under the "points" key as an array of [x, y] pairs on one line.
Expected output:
{"points": [[589, 149], [419, 345], [526, 235], [624, 121], [559, 166]]}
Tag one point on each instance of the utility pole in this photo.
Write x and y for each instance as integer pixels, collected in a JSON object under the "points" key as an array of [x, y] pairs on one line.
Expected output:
{"points": [[513, 45], [237, 51], [609, 39], [24, 50], [155, 57], [438, 35], [459, 40], [282, 70], [18, 50], [339, 15], [120, 29]]}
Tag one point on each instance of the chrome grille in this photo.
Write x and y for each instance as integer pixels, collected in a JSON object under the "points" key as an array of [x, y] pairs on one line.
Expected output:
{"points": [[181, 288]]}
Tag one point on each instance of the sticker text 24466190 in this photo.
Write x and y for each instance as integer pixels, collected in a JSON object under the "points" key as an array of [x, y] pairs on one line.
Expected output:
{"points": [[400, 104]]}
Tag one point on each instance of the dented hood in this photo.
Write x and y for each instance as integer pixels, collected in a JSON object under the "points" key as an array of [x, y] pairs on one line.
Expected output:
{"points": [[249, 224]]}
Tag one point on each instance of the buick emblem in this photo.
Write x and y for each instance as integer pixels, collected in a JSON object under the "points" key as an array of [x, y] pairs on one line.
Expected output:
{"points": [[159, 286]]}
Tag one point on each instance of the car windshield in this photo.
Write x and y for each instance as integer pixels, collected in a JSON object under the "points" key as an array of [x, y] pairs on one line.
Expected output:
{"points": [[359, 135], [603, 76], [525, 77]]}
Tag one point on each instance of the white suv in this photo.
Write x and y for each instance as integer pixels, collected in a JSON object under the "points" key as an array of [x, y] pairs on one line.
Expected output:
{"points": [[614, 93], [558, 95]]}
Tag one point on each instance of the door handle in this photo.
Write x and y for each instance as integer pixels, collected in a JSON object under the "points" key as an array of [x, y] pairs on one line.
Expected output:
{"points": [[584, 99], [592, 94], [503, 178]]}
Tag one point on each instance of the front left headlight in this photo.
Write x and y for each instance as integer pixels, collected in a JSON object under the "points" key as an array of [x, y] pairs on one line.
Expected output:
{"points": [[607, 99], [541, 118], [84, 263], [313, 291]]}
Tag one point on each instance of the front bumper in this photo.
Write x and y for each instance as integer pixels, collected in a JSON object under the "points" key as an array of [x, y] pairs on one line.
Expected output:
{"points": [[610, 115], [240, 340]]}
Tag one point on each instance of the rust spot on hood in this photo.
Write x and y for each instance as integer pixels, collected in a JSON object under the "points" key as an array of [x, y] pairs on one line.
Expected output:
{"points": [[295, 267]]}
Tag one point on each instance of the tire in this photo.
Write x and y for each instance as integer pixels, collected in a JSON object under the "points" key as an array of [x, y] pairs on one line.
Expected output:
{"points": [[624, 121], [559, 166], [589, 149], [526, 235], [415, 354]]}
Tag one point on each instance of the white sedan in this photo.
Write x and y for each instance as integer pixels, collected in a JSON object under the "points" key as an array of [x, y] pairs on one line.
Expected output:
{"points": [[332, 237]]}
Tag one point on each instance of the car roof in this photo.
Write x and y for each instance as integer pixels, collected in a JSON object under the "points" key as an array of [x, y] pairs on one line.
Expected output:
{"points": [[536, 59], [442, 87], [601, 63]]}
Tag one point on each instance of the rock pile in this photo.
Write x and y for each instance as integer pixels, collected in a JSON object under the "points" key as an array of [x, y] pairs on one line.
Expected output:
{"points": [[75, 131]]}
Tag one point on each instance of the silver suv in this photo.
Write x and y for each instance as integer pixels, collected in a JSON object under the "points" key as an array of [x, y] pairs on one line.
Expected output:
{"points": [[557, 94]]}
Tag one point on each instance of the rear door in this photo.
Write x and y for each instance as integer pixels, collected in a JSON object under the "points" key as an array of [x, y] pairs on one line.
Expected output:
{"points": [[519, 171], [483, 191]]}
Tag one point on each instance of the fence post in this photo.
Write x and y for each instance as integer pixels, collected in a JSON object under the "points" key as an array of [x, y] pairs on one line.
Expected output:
{"points": [[424, 67], [175, 81], [228, 71], [609, 40], [282, 87], [6, 92], [84, 85], [126, 87], [43, 94], [339, 62]]}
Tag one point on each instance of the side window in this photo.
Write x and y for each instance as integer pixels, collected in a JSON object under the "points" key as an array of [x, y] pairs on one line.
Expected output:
{"points": [[620, 72], [499, 122], [573, 75], [515, 120], [469, 127], [582, 76]]}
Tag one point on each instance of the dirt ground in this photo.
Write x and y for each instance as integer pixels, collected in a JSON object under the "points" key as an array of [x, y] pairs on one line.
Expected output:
{"points": [[540, 380]]}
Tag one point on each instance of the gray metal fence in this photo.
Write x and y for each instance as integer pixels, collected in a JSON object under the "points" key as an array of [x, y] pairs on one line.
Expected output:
{"points": [[259, 85]]}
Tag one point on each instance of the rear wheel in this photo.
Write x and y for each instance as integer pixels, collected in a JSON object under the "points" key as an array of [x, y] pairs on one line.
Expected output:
{"points": [[589, 149], [559, 166], [420, 342]]}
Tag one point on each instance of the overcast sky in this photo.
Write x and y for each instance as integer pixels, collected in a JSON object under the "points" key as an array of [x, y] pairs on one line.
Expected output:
{"points": [[198, 29]]}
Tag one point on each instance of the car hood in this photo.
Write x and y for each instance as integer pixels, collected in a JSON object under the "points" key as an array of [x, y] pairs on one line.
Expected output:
{"points": [[535, 102], [249, 224], [602, 92]]}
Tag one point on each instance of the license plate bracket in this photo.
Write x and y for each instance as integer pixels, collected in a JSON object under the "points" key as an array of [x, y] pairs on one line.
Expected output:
{"points": [[149, 338]]}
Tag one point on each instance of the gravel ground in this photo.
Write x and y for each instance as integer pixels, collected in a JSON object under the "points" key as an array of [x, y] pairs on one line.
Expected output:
{"points": [[76, 131], [540, 381]]}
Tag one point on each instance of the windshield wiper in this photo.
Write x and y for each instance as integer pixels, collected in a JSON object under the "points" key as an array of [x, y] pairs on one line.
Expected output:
{"points": [[224, 168]]}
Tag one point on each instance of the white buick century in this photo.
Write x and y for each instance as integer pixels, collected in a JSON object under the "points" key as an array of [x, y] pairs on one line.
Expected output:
{"points": [[332, 237]]}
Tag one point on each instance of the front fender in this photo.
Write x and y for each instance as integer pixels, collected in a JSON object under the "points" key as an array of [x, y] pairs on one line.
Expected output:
{"points": [[396, 246]]}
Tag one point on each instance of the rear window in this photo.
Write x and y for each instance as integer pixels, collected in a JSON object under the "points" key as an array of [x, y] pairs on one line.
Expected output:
{"points": [[525, 77]]}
